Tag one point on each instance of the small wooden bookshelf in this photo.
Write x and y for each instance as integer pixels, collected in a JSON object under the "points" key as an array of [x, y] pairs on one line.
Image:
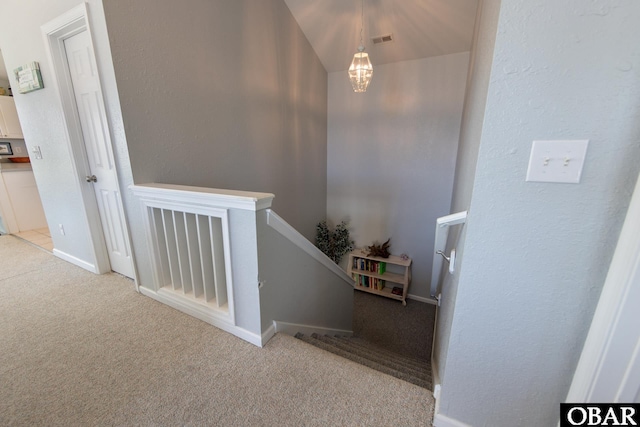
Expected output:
{"points": [[388, 277]]}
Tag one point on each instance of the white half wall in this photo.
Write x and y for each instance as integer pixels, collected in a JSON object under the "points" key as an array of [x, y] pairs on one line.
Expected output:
{"points": [[300, 288], [392, 155]]}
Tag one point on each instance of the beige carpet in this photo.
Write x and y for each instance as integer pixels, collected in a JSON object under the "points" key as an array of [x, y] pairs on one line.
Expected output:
{"points": [[78, 349]]}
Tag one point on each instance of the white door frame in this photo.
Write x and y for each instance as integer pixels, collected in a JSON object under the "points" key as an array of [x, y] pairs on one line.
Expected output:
{"points": [[55, 32], [609, 366]]}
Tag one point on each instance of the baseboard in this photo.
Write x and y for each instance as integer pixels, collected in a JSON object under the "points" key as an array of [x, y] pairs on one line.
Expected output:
{"points": [[443, 421], [268, 334], [205, 316], [294, 328], [437, 384], [422, 299], [436, 377], [76, 261]]}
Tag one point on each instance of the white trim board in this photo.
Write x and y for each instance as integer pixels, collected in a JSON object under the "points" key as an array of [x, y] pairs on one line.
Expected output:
{"points": [[440, 420], [202, 196], [437, 383], [76, 261], [241, 333], [422, 299], [268, 334]]}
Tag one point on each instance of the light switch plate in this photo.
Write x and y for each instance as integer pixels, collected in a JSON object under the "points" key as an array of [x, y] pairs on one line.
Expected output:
{"points": [[37, 154], [557, 161]]}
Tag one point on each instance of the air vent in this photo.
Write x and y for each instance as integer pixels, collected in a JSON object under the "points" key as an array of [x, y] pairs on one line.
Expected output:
{"points": [[387, 38]]}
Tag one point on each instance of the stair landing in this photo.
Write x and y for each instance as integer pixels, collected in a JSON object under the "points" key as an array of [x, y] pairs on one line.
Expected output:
{"points": [[413, 370]]}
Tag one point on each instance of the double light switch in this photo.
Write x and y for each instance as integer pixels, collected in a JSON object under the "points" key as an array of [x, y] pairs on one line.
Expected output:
{"points": [[557, 161]]}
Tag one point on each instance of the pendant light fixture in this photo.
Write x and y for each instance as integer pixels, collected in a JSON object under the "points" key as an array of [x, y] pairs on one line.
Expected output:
{"points": [[361, 70]]}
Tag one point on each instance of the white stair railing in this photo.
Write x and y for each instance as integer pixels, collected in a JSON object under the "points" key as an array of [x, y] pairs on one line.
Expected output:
{"points": [[443, 224], [190, 235], [190, 254], [224, 257]]}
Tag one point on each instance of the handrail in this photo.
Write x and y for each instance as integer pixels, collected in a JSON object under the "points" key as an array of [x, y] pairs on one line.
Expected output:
{"points": [[247, 200], [443, 224], [286, 230]]}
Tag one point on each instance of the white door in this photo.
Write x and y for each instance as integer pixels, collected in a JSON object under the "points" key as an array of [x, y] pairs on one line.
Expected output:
{"points": [[609, 367], [97, 140]]}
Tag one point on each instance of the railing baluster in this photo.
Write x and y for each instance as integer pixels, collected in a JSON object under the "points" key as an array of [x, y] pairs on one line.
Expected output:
{"points": [[204, 235], [155, 216], [217, 249], [195, 263], [183, 255], [172, 254]]}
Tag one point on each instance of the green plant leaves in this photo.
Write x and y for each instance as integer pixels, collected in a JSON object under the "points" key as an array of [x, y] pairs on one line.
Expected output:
{"points": [[334, 244]]}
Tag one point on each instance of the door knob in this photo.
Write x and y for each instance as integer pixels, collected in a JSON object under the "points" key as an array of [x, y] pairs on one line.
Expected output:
{"points": [[91, 178]]}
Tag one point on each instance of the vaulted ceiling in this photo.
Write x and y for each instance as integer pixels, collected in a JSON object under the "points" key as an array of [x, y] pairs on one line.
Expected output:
{"points": [[420, 28]]}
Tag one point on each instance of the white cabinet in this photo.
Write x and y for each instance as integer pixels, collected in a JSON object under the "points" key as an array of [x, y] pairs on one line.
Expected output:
{"points": [[20, 203], [9, 123]]}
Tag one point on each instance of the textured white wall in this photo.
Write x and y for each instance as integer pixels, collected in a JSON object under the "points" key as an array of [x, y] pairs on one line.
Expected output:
{"points": [[392, 154], [536, 254], [40, 115]]}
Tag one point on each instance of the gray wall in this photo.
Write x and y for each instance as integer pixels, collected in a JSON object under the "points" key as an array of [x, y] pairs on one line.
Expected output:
{"points": [[296, 287], [40, 115], [470, 133], [392, 154], [224, 94], [536, 254]]}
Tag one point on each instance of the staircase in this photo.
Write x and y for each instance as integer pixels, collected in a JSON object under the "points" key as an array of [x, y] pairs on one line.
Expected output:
{"points": [[414, 371]]}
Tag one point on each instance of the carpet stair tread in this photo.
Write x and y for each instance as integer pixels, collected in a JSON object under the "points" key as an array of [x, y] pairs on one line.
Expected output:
{"points": [[399, 358], [374, 355], [329, 344]]}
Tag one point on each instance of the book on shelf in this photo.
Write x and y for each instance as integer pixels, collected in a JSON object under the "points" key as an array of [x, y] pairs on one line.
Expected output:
{"points": [[382, 267], [364, 281], [396, 290], [368, 265]]}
